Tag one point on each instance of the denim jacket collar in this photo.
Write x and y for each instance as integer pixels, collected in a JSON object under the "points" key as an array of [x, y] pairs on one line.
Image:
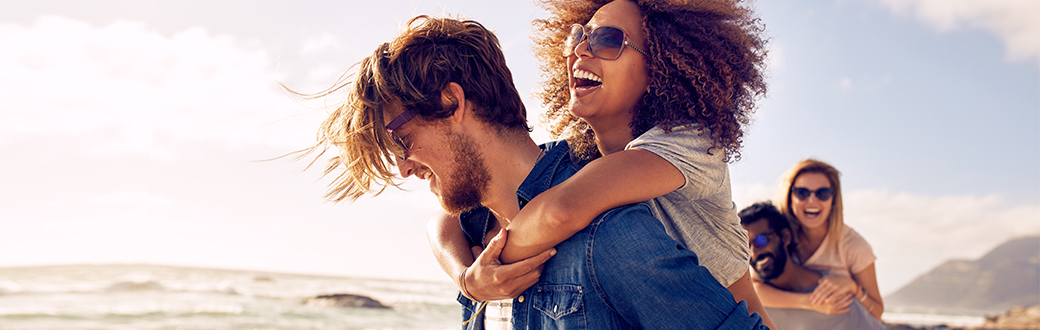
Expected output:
{"points": [[541, 176]]}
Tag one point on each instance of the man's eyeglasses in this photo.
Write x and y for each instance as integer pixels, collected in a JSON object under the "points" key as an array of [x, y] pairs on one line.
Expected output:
{"points": [[761, 240], [404, 117], [823, 194], [605, 42]]}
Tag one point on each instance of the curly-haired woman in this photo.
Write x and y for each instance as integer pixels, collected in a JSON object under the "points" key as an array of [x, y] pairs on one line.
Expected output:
{"points": [[663, 91]]}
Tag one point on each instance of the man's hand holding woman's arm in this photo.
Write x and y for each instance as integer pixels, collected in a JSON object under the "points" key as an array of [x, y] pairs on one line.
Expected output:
{"points": [[483, 277]]}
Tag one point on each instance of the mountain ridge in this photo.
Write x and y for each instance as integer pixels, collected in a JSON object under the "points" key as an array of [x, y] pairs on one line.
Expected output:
{"points": [[1007, 276]]}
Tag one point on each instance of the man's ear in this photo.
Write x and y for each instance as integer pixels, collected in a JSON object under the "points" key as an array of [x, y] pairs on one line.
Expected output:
{"points": [[785, 236], [453, 96]]}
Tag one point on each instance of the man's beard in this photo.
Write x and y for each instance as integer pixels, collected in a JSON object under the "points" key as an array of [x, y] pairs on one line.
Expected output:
{"points": [[779, 262], [469, 180]]}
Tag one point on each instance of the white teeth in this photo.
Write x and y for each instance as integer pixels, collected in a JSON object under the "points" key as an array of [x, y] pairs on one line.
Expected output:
{"points": [[582, 74], [812, 210]]}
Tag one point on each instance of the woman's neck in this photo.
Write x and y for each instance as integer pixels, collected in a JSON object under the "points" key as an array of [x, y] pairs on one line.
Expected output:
{"points": [[612, 139], [812, 239]]}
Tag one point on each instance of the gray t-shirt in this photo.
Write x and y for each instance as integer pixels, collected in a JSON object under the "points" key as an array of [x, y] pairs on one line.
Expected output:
{"points": [[857, 318], [700, 214]]}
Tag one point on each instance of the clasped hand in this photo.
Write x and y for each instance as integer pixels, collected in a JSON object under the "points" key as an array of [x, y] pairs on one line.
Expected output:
{"points": [[833, 294], [489, 279]]}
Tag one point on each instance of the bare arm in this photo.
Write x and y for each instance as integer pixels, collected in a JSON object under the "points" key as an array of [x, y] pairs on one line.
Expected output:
{"points": [[621, 178], [744, 290], [449, 244], [867, 280], [776, 298]]}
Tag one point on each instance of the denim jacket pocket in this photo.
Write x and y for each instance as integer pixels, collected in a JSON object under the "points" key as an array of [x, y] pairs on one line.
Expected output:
{"points": [[558, 301]]}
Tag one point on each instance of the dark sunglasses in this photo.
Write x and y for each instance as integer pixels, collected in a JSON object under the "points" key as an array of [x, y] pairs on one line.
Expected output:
{"points": [[761, 240], [404, 117], [605, 42], [823, 194]]}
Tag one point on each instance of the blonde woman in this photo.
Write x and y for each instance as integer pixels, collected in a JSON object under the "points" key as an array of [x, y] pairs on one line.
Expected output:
{"points": [[809, 195]]}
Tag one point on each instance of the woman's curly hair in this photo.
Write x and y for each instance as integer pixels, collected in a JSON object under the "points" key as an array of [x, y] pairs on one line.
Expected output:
{"points": [[706, 66]]}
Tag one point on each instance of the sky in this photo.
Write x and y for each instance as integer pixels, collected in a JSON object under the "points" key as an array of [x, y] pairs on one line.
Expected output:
{"points": [[144, 131]]}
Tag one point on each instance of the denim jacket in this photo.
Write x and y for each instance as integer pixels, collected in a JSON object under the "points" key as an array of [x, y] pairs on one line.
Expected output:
{"points": [[620, 272]]}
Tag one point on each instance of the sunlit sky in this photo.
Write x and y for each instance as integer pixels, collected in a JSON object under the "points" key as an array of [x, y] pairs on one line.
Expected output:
{"points": [[134, 131]]}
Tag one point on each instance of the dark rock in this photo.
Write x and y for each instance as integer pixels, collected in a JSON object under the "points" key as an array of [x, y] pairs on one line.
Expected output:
{"points": [[343, 300], [262, 278]]}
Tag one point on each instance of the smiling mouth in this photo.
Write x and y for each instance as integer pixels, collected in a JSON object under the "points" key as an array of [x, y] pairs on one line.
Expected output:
{"points": [[762, 263], [812, 212], [586, 80]]}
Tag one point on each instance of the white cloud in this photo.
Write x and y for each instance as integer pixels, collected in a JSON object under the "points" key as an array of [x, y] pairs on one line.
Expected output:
{"points": [[324, 42], [1015, 22], [746, 194], [132, 198], [68, 77], [911, 234], [845, 84]]}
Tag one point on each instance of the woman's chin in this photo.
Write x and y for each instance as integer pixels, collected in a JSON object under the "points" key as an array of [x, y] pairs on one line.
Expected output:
{"points": [[581, 109], [812, 221]]}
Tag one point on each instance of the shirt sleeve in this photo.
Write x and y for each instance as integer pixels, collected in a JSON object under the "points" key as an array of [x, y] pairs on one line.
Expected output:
{"points": [[686, 148], [858, 252]]}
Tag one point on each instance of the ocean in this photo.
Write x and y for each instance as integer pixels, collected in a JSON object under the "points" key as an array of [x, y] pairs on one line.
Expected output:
{"points": [[147, 297], [144, 297]]}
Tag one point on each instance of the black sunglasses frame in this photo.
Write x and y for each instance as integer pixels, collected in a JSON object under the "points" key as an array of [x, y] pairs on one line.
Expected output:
{"points": [[823, 194]]}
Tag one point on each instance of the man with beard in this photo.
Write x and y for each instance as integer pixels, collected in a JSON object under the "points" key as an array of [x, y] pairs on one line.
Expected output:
{"points": [[770, 239], [439, 103]]}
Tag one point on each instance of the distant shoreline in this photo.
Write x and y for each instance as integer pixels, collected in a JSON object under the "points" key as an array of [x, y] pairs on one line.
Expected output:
{"points": [[1016, 318]]}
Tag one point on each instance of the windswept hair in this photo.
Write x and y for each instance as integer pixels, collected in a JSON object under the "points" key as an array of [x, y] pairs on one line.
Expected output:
{"points": [[411, 71], [706, 65], [434, 52], [835, 221], [350, 128]]}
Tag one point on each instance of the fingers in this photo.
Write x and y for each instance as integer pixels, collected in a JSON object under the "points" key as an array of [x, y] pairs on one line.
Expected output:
{"points": [[820, 294], [844, 301], [526, 281], [531, 263], [493, 280], [840, 282], [841, 306], [494, 249]]}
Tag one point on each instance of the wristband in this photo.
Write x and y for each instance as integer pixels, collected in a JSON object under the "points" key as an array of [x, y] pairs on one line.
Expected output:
{"points": [[462, 284], [863, 299]]}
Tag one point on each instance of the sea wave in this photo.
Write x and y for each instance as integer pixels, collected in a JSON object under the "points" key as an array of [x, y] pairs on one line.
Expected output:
{"points": [[123, 310], [129, 285]]}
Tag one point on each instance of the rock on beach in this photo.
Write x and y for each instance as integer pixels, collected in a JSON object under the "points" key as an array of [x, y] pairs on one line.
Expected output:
{"points": [[343, 300]]}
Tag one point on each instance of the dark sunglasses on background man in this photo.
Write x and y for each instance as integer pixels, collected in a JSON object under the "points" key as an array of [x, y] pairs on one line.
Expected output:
{"points": [[823, 194], [605, 42], [761, 240]]}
